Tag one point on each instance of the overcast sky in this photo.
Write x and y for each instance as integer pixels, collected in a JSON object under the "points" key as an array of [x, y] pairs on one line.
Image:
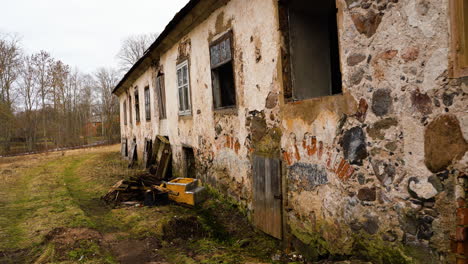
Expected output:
{"points": [[84, 33]]}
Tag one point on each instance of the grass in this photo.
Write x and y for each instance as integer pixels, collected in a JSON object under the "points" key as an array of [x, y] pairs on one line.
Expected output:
{"points": [[45, 196]]}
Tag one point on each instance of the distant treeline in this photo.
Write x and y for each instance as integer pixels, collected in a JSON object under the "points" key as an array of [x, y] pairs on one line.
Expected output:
{"points": [[45, 104]]}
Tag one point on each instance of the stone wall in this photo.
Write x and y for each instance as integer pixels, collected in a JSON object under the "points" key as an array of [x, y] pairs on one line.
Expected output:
{"points": [[378, 171]]}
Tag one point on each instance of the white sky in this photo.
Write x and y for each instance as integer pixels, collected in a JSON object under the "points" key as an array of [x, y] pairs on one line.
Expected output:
{"points": [[84, 33]]}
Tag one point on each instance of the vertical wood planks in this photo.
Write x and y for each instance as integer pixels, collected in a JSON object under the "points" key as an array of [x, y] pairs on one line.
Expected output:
{"points": [[267, 195]]}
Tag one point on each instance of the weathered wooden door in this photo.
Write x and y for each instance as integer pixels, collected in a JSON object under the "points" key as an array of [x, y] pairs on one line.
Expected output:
{"points": [[267, 195]]}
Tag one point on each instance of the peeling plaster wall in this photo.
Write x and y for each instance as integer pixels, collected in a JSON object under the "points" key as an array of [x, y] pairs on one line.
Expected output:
{"points": [[220, 139], [372, 172], [377, 171]]}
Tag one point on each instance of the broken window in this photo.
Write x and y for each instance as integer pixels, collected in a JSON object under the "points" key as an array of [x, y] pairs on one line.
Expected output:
{"points": [[130, 108], [314, 49], [183, 87], [222, 72], [161, 95], [147, 103], [459, 28], [137, 106], [125, 112]]}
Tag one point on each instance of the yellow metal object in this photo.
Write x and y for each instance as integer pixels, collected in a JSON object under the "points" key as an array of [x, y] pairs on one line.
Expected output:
{"points": [[186, 190]]}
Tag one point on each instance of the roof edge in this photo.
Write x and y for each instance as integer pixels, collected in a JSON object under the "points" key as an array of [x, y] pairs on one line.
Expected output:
{"points": [[168, 29]]}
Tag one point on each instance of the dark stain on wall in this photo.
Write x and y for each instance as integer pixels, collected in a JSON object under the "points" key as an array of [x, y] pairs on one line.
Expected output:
{"points": [[307, 176]]}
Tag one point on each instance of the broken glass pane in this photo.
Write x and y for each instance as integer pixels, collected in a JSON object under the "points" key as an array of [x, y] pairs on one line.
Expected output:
{"points": [[214, 55], [228, 49]]}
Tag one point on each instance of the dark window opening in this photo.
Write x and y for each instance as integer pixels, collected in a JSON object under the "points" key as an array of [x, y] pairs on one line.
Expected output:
{"points": [[222, 72], [161, 95], [314, 49], [130, 108], [125, 112], [147, 104], [190, 170], [137, 107], [148, 154]]}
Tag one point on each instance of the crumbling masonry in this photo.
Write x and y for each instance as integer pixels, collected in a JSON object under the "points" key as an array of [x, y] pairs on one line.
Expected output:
{"points": [[364, 157]]}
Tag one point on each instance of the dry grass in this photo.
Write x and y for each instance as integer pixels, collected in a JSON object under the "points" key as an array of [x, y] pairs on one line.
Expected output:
{"points": [[46, 197]]}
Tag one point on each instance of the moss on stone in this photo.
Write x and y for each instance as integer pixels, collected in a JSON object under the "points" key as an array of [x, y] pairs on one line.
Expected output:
{"points": [[374, 249]]}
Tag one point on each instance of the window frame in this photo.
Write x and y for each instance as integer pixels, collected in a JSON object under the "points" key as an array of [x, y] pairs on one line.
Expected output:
{"points": [[137, 105], [458, 39], [290, 93], [228, 35], [186, 111], [161, 95], [147, 95]]}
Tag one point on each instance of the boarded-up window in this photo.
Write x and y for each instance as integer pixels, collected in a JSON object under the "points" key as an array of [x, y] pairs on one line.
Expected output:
{"points": [[222, 72], [267, 195], [125, 112], [459, 32], [137, 106], [183, 87], [147, 104], [314, 49], [161, 96]]}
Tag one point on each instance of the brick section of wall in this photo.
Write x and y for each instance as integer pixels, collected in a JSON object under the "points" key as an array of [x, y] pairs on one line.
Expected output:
{"points": [[460, 243]]}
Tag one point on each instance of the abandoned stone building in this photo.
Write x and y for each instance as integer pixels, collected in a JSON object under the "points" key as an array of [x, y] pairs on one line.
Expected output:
{"points": [[339, 127]]}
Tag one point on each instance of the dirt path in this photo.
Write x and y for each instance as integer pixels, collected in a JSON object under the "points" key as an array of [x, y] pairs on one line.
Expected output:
{"points": [[50, 211]]}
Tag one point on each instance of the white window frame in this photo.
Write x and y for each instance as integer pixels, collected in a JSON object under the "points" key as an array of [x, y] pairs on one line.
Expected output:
{"points": [[188, 110]]}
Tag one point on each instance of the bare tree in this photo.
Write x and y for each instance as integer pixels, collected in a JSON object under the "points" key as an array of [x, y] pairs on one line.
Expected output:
{"points": [[106, 80], [10, 65], [133, 48], [42, 62], [29, 92]]}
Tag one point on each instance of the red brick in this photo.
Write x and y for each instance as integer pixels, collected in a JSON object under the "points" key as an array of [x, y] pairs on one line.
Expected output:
{"points": [[460, 234], [462, 216], [461, 202], [462, 248]]}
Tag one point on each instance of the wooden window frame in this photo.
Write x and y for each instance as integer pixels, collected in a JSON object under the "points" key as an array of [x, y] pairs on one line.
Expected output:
{"points": [[459, 42], [161, 93], [289, 89], [147, 103], [184, 111], [228, 35]]}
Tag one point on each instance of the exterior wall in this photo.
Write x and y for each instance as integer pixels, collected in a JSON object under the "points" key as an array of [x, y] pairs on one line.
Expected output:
{"points": [[143, 129], [220, 139], [366, 171], [377, 171]]}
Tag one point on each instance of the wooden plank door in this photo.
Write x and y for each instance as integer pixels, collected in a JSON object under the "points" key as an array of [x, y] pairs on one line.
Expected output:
{"points": [[267, 195]]}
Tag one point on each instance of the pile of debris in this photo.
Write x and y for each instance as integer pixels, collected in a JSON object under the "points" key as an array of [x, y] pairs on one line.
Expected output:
{"points": [[153, 188]]}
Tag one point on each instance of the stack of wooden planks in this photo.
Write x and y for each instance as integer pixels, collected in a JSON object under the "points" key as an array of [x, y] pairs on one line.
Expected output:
{"points": [[157, 160]]}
